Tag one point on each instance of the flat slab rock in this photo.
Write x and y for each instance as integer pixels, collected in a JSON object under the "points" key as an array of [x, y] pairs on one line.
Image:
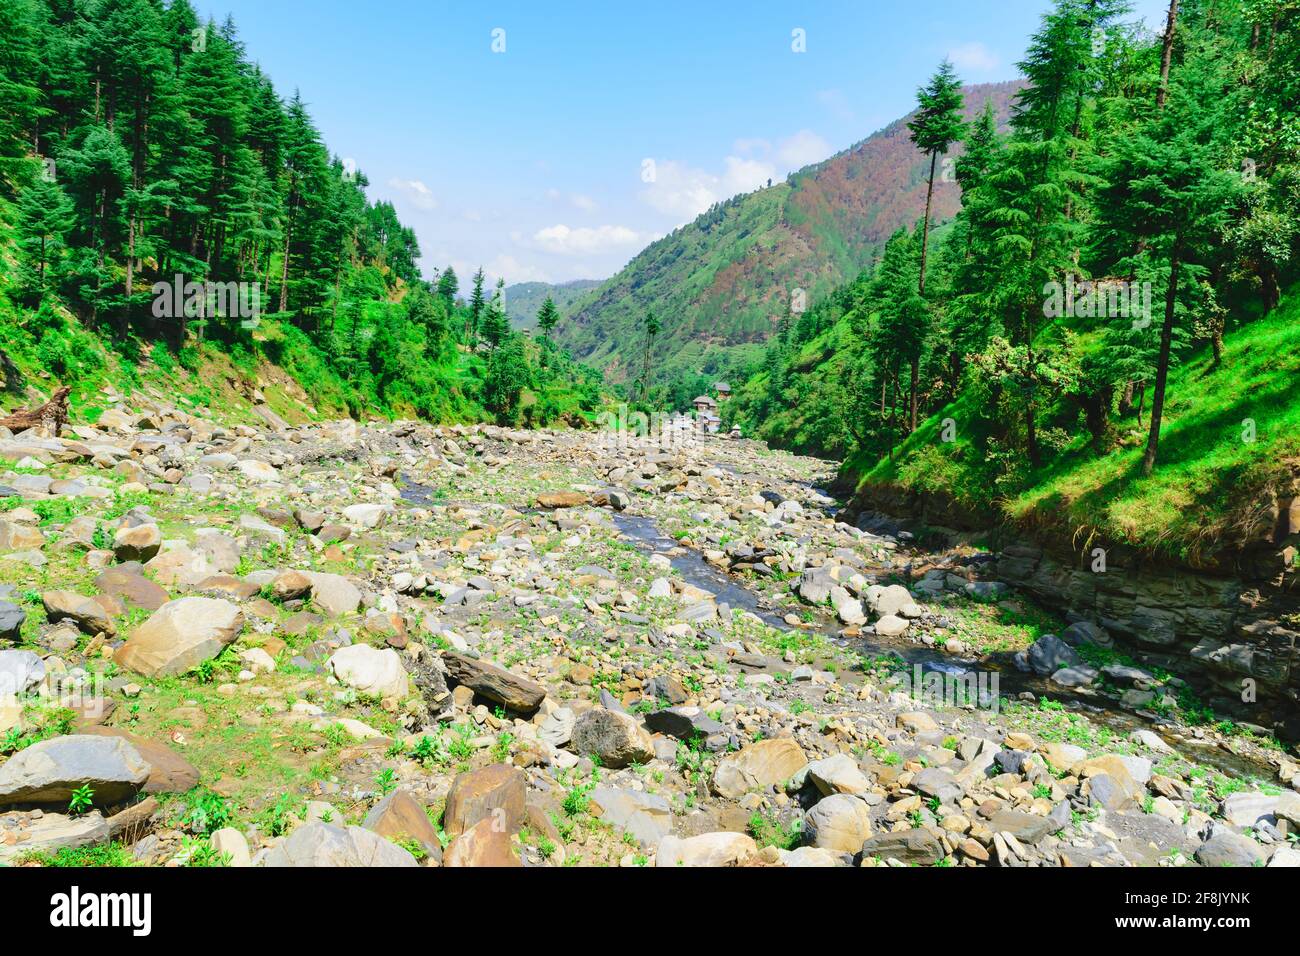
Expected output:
{"points": [[495, 683]]}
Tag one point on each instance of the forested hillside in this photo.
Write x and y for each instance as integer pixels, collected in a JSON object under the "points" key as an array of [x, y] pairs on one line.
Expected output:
{"points": [[145, 162], [525, 299], [1099, 343], [720, 285]]}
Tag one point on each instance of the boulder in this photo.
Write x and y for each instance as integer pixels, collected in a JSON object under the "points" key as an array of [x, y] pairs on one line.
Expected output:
{"points": [[889, 601], [1227, 848], [838, 774], [137, 544], [917, 846], [86, 613], [230, 843], [495, 683], [12, 618], [496, 793], [19, 671], [482, 845], [400, 816], [180, 636], [758, 766], [707, 849], [840, 822], [131, 588], [561, 499], [325, 844], [1049, 654], [333, 593], [48, 771], [370, 670], [169, 772], [647, 817], [684, 723], [618, 739]]}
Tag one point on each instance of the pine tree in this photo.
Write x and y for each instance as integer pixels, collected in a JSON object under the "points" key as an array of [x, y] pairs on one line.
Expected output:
{"points": [[937, 125], [477, 303], [45, 218], [548, 316], [448, 285]]}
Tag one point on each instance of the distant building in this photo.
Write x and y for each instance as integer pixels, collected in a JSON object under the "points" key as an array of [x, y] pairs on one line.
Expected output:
{"points": [[704, 404], [723, 390], [709, 423]]}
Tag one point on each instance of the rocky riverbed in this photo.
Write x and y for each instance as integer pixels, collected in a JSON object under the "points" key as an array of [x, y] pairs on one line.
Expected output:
{"points": [[398, 644]]}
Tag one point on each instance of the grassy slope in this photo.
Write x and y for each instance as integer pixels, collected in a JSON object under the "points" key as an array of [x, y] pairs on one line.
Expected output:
{"points": [[1210, 488]]}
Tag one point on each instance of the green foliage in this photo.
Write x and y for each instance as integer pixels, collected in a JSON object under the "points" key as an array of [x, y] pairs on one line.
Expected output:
{"points": [[111, 213], [1035, 404]]}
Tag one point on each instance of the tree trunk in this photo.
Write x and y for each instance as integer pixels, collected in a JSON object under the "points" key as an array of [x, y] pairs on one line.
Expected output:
{"points": [[925, 227], [284, 271], [916, 376], [1162, 367], [1166, 55]]}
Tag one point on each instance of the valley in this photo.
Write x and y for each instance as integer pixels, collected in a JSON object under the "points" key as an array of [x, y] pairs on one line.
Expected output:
{"points": [[350, 643]]}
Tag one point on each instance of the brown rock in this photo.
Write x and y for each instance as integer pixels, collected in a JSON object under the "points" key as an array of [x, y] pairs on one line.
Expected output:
{"points": [[181, 635], [496, 793], [561, 499], [169, 772], [482, 845], [758, 766], [88, 614], [290, 585], [137, 544], [495, 683], [400, 816], [131, 588]]}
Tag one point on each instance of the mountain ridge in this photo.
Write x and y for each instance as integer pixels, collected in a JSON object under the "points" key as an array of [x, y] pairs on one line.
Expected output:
{"points": [[721, 283]]}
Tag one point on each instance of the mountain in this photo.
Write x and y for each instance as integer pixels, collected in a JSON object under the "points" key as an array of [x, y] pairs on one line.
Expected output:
{"points": [[523, 299], [720, 283]]}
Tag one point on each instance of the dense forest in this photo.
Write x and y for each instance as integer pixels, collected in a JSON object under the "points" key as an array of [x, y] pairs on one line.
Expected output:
{"points": [[1100, 338], [142, 151]]}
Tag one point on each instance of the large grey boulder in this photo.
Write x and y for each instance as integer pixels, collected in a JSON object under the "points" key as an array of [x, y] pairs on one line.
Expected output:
{"points": [[1050, 654], [323, 844], [19, 671], [11, 620], [48, 772]]}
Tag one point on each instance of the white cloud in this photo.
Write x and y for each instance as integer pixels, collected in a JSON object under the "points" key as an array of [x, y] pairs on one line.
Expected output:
{"points": [[583, 240], [507, 267], [420, 195], [974, 56], [802, 148], [684, 191], [755, 145]]}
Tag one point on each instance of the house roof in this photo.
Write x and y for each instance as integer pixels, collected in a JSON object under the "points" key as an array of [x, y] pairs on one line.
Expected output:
{"points": [[702, 400], [722, 387]]}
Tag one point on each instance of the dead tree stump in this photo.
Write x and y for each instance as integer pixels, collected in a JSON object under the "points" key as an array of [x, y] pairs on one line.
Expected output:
{"points": [[51, 416]]}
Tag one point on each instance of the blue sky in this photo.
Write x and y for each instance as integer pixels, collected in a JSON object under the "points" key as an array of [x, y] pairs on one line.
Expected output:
{"points": [[531, 161]]}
